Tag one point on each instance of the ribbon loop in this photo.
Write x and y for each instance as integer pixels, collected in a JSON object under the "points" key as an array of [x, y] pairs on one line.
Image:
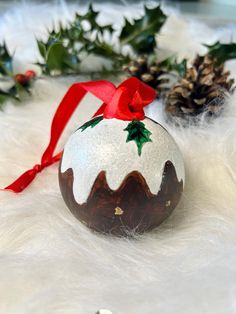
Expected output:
{"points": [[126, 102]]}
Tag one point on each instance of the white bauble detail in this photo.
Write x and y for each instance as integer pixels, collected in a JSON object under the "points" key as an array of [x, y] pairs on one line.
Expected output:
{"points": [[104, 148]]}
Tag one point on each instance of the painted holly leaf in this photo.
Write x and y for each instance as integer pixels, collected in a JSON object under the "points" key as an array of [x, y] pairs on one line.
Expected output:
{"points": [[91, 123], [138, 133], [140, 34], [222, 52]]}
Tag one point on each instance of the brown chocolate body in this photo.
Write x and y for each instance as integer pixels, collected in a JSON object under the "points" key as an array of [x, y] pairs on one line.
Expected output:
{"points": [[131, 208]]}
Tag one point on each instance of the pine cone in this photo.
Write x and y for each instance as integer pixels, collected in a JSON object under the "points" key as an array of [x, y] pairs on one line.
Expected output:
{"points": [[148, 73], [203, 89]]}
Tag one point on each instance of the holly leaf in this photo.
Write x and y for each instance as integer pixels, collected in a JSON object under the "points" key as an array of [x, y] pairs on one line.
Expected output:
{"points": [[138, 133], [4, 96], [42, 48], [105, 50], [11, 93], [58, 58], [171, 64], [91, 18], [222, 52], [5, 61], [180, 68], [91, 15], [91, 123], [55, 57], [140, 34], [54, 37], [108, 27]]}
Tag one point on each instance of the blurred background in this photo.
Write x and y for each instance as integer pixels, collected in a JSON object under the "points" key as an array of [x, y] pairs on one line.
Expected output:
{"points": [[212, 11]]}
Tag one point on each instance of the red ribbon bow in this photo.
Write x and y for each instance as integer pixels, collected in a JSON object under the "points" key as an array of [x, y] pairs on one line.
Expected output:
{"points": [[126, 102]]}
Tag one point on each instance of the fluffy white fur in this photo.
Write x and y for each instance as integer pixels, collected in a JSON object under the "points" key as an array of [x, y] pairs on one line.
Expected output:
{"points": [[50, 263]]}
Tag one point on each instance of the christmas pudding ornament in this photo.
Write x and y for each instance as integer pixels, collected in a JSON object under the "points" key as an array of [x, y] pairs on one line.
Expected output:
{"points": [[120, 172], [118, 176]]}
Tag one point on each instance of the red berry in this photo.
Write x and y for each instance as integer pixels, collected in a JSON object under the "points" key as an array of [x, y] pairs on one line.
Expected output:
{"points": [[30, 74], [21, 79]]}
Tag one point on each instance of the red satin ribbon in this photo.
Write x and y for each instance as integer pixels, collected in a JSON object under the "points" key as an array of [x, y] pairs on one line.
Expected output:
{"points": [[126, 102]]}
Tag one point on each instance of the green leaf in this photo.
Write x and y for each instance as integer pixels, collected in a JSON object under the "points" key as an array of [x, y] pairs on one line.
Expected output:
{"points": [[107, 27], [54, 37], [58, 57], [91, 14], [140, 34], [91, 123], [6, 67], [105, 50], [180, 68], [42, 48], [138, 133], [171, 64], [12, 93], [4, 96], [222, 52]]}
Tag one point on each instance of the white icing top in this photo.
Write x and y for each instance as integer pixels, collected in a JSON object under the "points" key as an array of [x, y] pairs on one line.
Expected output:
{"points": [[104, 147]]}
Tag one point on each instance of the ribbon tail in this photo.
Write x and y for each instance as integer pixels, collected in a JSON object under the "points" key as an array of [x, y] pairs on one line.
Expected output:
{"points": [[22, 182], [27, 177]]}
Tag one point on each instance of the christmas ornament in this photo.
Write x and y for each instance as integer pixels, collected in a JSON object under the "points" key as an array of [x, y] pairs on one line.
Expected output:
{"points": [[118, 176], [203, 89], [120, 172]]}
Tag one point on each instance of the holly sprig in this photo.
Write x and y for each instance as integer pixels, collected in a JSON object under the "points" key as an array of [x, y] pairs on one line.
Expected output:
{"points": [[66, 46], [17, 83], [63, 50]]}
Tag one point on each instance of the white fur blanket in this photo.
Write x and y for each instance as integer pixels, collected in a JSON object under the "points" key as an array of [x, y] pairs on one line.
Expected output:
{"points": [[50, 263]]}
